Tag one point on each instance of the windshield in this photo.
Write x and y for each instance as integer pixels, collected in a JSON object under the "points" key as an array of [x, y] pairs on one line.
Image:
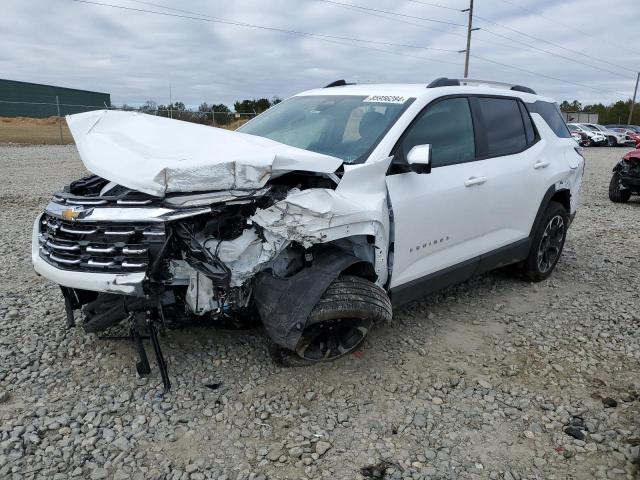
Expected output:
{"points": [[589, 127], [573, 128], [344, 126]]}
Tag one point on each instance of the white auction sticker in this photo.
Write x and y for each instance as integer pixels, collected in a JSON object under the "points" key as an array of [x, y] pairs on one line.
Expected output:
{"points": [[385, 99]]}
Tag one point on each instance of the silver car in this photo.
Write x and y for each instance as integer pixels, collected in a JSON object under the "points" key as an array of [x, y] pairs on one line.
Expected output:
{"points": [[613, 138]]}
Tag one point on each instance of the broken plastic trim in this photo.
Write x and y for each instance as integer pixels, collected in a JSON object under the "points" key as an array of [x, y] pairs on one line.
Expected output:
{"points": [[285, 303]]}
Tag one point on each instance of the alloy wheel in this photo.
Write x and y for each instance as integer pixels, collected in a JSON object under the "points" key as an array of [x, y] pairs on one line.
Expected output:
{"points": [[551, 244], [331, 339]]}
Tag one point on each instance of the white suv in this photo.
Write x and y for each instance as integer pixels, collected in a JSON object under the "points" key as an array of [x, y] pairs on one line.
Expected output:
{"points": [[315, 217]]}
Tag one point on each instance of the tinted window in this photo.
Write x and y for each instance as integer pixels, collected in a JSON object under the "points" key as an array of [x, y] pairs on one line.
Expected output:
{"points": [[528, 124], [550, 112], [503, 126], [448, 128]]}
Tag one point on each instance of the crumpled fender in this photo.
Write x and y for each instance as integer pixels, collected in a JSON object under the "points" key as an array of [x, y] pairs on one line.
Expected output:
{"points": [[284, 304]]}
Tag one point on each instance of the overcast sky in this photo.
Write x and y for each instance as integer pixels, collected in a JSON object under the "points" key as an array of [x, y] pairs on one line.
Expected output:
{"points": [[136, 56]]}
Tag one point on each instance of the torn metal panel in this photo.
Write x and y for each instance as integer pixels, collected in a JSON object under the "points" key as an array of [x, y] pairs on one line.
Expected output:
{"points": [[157, 155], [246, 254], [358, 206]]}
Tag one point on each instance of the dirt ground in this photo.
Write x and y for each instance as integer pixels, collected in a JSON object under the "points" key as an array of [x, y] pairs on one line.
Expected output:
{"points": [[496, 378]]}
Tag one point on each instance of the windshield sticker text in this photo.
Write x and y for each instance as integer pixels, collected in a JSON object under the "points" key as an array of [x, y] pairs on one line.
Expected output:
{"points": [[384, 99]]}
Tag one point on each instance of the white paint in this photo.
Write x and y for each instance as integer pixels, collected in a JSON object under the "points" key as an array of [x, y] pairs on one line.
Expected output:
{"points": [[158, 155]]}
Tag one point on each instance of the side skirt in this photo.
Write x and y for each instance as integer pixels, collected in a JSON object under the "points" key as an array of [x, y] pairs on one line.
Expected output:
{"points": [[507, 255]]}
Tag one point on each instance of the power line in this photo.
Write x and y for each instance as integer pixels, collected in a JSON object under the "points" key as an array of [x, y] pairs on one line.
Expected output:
{"points": [[393, 19], [537, 74], [532, 47], [549, 19], [359, 7], [549, 42], [336, 39], [434, 5], [262, 27]]}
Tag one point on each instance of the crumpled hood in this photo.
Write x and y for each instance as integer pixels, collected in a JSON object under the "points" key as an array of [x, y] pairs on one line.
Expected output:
{"points": [[158, 155]]}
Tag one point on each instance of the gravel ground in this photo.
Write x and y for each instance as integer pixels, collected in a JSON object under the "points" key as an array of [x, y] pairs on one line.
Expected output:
{"points": [[480, 381]]}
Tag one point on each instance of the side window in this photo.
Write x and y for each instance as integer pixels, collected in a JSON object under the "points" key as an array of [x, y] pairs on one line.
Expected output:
{"points": [[448, 128], [528, 125], [503, 125], [550, 112]]}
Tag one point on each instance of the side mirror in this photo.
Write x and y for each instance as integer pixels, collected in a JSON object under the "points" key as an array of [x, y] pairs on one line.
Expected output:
{"points": [[419, 159]]}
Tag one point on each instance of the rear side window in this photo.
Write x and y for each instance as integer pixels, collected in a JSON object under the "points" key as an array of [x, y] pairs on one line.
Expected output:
{"points": [[550, 112], [528, 125], [503, 126]]}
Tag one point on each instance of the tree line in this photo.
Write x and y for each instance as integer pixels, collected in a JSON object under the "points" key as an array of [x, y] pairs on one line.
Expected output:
{"points": [[207, 113], [617, 112]]}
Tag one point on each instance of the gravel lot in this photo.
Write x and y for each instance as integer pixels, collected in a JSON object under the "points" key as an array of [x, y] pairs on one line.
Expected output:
{"points": [[480, 381]]}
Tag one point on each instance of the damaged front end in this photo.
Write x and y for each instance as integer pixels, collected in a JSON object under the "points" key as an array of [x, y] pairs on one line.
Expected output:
{"points": [[163, 255]]}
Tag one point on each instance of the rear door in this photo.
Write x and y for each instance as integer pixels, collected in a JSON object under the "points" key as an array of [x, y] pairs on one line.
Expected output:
{"points": [[516, 166], [438, 217]]}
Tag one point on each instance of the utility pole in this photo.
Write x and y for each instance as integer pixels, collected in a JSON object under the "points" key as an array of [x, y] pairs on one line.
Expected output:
{"points": [[469, 30], [633, 102]]}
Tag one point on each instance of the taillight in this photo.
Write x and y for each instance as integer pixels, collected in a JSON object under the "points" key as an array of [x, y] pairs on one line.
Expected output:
{"points": [[579, 151]]}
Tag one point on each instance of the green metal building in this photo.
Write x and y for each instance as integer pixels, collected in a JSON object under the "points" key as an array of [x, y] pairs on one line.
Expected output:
{"points": [[23, 99]]}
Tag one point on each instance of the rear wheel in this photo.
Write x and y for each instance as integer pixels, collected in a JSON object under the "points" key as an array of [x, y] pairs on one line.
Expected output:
{"points": [[612, 142], [548, 242], [339, 322], [617, 194]]}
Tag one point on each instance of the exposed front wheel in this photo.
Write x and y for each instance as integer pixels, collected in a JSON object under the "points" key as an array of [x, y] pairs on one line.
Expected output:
{"points": [[548, 242], [616, 193], [340, 321], [612, 142]]}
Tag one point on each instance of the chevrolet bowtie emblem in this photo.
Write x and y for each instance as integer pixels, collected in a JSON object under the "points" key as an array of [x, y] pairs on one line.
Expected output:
{"points": [[70, 213]]}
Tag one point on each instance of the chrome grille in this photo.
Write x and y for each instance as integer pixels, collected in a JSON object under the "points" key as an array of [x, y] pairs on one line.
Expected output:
{"points": [[99, 247]]}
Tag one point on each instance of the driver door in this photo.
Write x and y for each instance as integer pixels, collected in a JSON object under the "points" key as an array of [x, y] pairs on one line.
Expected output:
{"points": [[439, 217]]}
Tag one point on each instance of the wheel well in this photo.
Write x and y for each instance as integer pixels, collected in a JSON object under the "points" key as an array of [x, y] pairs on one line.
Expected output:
{"points": [[361, 269], [563, 197]]}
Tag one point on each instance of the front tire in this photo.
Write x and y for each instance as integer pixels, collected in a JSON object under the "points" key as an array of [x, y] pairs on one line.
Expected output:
{"points": [[339, 322], [616, 194], [548, 242], [612, 142]]}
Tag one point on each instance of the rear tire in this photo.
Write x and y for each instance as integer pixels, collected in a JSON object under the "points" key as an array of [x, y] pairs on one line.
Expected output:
{"points": [[616, 194], [547, 244], [612, 142], [339, 322]]}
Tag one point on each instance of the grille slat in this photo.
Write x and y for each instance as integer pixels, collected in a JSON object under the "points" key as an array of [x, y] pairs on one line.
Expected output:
{"points": [[99, 246]]}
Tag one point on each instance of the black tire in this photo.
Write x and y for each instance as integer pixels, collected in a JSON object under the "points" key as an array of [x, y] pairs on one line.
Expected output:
{"points": [[339, 322], [612, 142], [616, 194], [547, 244], [591, 143]]}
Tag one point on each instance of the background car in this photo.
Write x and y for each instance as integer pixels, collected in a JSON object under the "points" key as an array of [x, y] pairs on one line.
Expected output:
{"points": [[593, 136], [613, 138], [632, 136], [635, 128], [579, 135]]}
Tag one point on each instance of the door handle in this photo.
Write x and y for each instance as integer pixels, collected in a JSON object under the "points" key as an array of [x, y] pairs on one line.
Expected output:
{"points": [[471, 181], [541, 164]]}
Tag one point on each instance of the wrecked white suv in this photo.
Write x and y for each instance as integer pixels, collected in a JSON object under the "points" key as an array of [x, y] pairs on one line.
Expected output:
{"points": [[315, 217]]}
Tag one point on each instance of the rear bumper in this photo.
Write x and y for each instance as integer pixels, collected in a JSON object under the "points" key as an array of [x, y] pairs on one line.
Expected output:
{"points": [[125, 284]]}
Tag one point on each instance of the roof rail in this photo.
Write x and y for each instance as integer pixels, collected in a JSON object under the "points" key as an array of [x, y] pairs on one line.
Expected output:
{"points": [[338, 83], [455, 82]]}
